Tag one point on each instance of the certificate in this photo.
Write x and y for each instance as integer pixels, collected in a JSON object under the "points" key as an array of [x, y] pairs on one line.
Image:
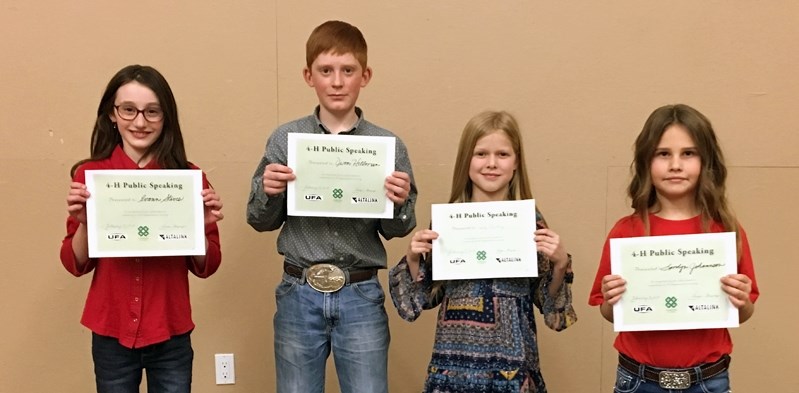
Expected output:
{"points": [[143, 213], [340, 175], [673, 282], [484, 240]]}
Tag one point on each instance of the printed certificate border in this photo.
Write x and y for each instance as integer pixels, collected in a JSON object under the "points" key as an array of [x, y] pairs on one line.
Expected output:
{"points": [[94, 222]]}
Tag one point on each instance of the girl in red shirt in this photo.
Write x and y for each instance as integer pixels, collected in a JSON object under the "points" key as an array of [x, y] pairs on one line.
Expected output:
{"points": [[138, 308], [678, 187]]}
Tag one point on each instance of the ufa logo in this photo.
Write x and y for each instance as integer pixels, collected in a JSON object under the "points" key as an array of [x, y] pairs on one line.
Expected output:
{"points": [[116, 236], [643, 309], [313, 197]]}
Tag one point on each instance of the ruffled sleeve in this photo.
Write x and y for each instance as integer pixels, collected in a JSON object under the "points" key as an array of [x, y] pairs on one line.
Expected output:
{"points": [[558, 311], [410, 296]]}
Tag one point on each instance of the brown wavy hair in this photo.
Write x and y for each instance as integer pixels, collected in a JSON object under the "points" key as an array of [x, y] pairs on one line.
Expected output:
{"points": [[168, 150], [711, 192]]}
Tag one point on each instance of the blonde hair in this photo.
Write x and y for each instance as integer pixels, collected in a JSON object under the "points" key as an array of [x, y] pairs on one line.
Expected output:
{"points": [[479, 126], [337, 37], [710, 198]]}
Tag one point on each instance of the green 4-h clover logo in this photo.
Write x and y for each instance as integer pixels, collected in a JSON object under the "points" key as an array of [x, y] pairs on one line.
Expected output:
{"points": [[671, 302], [338, 193], [144, 231], [481, 255]]}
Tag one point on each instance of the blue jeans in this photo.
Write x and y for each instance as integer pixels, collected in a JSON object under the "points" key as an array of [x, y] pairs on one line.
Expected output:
{"points": [[352, 322], [627, 382], [118, 369]]}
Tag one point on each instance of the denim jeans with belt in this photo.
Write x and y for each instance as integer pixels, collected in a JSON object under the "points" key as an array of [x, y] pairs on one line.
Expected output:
{"points": [[118, 369], [627, 382], [352, 322]]}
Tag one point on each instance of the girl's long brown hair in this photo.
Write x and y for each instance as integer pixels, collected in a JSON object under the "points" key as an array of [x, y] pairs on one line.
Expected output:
{"points": [[711, 192], [168, 150]]}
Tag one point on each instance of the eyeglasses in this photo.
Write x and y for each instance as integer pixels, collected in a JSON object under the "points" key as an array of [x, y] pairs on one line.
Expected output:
{"points": [[129, 112]]}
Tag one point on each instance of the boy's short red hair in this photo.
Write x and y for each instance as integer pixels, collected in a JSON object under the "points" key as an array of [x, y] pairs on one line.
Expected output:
{"points": [[337, 37]]}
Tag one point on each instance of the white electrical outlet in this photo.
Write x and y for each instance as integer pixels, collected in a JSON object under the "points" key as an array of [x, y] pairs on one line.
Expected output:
{"points": [[225, 371]]}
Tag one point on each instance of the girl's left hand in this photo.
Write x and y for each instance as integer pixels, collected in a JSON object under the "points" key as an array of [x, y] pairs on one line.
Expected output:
{"points": [[548, 243], [213, 206], [737, 287]]}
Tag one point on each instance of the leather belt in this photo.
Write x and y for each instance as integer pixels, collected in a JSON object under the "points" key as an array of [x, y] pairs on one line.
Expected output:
{"points": [[675, 378], [325, 277]]}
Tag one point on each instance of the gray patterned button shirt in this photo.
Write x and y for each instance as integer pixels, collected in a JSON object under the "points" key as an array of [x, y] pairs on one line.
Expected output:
{"points": [[344, 242]]}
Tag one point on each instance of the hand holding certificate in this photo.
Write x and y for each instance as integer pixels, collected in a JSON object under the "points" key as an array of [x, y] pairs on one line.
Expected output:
{"points": [[145, 213], [340, 176], [673, 282], [484, 240]]}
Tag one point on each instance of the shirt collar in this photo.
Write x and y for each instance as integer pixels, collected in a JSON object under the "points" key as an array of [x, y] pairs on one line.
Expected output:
{"points": [[358, 112], [121, 160]]}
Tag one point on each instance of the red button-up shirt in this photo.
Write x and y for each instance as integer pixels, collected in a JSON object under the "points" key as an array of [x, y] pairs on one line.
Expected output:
{"points": [[140, 301]]}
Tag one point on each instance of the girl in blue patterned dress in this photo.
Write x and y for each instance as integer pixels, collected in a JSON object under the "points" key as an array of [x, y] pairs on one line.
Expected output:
{"points": [[486, 334]]}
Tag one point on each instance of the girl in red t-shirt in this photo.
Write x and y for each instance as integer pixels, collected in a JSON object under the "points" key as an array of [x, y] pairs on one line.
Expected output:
{"points": [[678, 188]]}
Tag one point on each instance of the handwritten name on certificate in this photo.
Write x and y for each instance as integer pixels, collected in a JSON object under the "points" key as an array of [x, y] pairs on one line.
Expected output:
{"points": [[673, 282], [484, 240], [143, 213], [340, 175]]}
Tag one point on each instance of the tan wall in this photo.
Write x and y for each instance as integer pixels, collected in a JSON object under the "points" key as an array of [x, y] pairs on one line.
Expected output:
{"points": [[580, 76]]}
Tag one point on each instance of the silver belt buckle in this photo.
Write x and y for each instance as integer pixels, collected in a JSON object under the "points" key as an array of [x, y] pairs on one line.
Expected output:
{"points": [[325, 277], [674, 379]]}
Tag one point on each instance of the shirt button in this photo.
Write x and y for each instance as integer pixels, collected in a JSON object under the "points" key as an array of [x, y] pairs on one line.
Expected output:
{"points": [[137, 278], [135, 319], [136, 299], [340, 258], [404, 217], [335, 233]]}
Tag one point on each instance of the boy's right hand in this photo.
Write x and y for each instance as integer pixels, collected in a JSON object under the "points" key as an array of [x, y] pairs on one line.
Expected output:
{"points": [[275, 178], [76, 201], [613, 286]]}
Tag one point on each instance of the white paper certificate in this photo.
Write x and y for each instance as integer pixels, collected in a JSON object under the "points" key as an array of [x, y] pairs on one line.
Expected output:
{"points": [[340, 175], [141, 213], [484, 240], [673, 282]]}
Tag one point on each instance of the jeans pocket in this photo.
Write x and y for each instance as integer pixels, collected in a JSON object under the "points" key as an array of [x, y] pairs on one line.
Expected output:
{"points": [[284, 288], [370, 290], [718, 384], [626, 382]]}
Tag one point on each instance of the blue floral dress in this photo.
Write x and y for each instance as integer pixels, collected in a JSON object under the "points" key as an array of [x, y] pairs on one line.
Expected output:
{"points": [[486, 337]]}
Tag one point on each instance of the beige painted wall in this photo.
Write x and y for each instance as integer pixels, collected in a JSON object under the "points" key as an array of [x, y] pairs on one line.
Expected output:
{"points": [[581, 77]]}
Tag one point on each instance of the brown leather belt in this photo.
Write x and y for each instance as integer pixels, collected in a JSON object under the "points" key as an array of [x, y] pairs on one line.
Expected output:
{"points": [[354, 275], [675, 378]]}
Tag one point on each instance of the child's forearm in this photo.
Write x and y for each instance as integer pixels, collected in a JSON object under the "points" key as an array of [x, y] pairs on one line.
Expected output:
{"points": [[746, 311], [80, 247], [607, 311], [413, 265], [558, 274], [199, 260], [559, 270]]}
